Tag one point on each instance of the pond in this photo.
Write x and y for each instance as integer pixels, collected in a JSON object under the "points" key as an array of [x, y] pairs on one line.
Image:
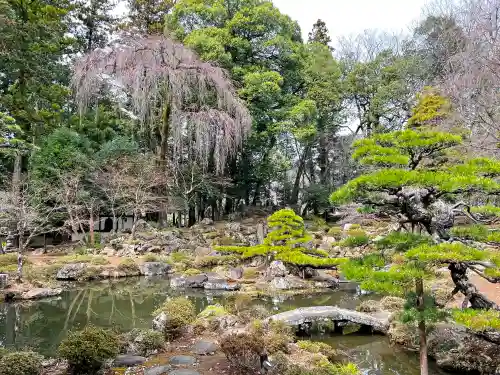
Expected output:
{"points": [[124, 305]]}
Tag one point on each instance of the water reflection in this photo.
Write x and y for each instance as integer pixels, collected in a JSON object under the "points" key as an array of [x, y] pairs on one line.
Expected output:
{"points": [[374, 355], [123, 305]]}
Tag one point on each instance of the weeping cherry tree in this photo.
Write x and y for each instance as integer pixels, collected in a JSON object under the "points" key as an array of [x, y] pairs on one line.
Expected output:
{"points": [[187, 109]]}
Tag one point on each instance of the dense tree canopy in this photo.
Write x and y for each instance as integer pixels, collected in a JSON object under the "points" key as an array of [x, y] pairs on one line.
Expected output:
{"points": [[238, 109]]}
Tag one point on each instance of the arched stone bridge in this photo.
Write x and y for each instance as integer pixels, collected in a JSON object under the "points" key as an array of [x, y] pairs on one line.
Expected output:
{"points": [[378, 322]]}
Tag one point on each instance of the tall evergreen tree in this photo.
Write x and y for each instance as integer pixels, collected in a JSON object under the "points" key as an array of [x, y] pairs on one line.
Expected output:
{"points": [[320, 34]]}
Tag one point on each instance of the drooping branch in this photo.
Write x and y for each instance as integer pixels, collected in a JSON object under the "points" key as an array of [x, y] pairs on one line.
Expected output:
{"points": [[165, 79]]}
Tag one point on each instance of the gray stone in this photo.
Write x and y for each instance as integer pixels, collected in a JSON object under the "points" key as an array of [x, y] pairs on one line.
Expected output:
{"points": [[155, 268], [160, 322], [71, 271], [128, 360], [224, 322], [236, 273], [4, 280], [378, 322], [458, 350], [207, 221], [205, 348], [277, 269], [233, 227], [202, 251], [158, 370], [38, 293], [184, 372], [287, 283], [220, 284], [182, 360], [197, 281]]}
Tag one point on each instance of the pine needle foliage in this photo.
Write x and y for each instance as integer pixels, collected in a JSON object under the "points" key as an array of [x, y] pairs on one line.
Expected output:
{"points": [[287, 241], [400, 241], [416, 158], [478, 320]]}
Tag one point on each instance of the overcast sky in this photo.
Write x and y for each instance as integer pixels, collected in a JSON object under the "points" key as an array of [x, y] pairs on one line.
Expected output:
{"points": [[344, 17]]}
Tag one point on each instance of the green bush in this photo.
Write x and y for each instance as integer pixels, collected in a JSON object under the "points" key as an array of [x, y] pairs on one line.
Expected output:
{"points": [[87, 350], [147, 341], [150, 257], [355, 240], [180, 311], [276, 337], [473, 232], [402, 241], [318, 347], [129, 266], [335, 231], [212, 261], [20, 363], [478, 320], [192, 272]]}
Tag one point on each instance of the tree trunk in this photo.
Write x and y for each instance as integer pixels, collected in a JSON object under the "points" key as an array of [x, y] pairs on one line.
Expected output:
{"points": [[323, 159], [300, 171], [477, 300], [91, 228], [424, 367], [134, 226]]}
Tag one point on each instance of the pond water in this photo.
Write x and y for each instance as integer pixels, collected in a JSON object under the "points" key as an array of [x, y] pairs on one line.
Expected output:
{"points": [[124, 305]]}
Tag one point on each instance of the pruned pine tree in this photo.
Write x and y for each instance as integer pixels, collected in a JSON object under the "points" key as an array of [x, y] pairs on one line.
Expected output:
{"points": [[414, 179], [288, 242]]}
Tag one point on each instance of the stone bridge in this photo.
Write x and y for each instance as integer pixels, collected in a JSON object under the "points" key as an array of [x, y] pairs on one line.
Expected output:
{"points": [[306, 315]]}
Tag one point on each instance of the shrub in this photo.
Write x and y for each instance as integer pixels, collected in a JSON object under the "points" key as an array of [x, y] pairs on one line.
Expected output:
{"points": [[473, 232], [318, 347], [148, 341], [224, 241], [212, 311], [192, 272], [335, 231], [212, 261], [276, 337], [391, 303], [355, 240], [402, 241], [243, 352], [250, 273], [128, 266], [87, 350], [478, 320], [99, 261], [150, 257], [20, 363], [179, 257], [368, 306], [180, 311]]}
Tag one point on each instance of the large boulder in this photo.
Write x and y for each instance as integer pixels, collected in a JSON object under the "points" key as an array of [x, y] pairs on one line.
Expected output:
{"points": [[38, 293], [160, 322], [155, 268], [220, 284], [277, 269], [197, 281], [287, 283], [72, 271], [456, 349]]}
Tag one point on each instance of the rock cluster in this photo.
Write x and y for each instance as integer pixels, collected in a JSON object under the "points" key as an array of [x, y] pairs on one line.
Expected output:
{"points": [[204, 281], [165, 242]]}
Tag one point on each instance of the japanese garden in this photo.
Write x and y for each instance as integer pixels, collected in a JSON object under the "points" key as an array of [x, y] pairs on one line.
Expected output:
{"points": [[203, 187]]}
